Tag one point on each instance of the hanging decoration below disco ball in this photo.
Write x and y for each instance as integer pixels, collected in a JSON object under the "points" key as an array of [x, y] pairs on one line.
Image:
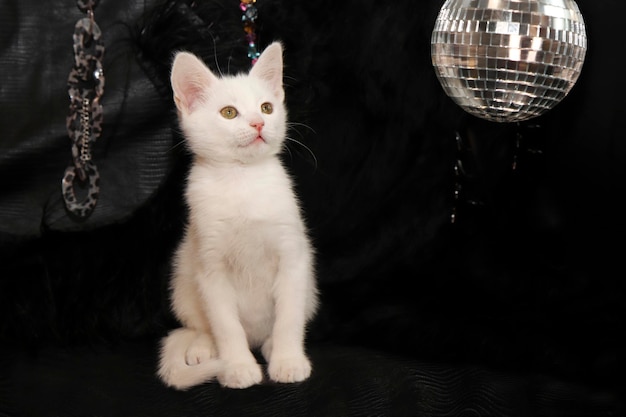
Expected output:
{"points": [[508, 60]]}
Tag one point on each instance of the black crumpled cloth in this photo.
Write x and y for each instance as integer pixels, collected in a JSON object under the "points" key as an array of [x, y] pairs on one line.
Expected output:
{"points": [[134, 151], [346, 381]]}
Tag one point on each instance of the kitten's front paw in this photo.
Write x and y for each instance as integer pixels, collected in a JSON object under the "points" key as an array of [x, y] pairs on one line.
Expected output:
{"points": [[241, 375], [292, 369]]}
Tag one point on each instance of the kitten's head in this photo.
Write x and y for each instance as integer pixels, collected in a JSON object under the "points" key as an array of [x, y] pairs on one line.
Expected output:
{"points": [[227, 119]]}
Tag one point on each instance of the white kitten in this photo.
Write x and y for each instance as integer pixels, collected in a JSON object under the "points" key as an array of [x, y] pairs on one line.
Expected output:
{"points": [[243, 273]]}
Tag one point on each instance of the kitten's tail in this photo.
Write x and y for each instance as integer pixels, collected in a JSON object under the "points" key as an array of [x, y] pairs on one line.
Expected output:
{"points": [[174, 369]]}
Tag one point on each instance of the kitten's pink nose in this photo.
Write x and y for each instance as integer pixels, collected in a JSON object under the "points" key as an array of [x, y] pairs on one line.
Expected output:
{"points": [[257, 124]]}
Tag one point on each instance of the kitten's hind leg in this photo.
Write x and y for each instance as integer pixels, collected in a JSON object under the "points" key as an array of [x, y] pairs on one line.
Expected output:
{"points": [[200, 350], [186, 359], [266, 349]]}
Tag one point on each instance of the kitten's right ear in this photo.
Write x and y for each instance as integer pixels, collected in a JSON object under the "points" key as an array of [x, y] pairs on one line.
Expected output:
{"points": [[190, 80]]}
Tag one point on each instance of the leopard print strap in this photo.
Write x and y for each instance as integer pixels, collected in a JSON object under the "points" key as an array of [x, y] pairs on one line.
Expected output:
{"points": [[84, 121], [85, 207]]}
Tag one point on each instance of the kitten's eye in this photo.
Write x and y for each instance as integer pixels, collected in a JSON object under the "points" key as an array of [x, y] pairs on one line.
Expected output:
{"points": [[229, 112], [267, 108]]}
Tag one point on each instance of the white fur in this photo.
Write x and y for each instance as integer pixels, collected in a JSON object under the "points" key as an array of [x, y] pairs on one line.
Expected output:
{"points": [[243, 273]]}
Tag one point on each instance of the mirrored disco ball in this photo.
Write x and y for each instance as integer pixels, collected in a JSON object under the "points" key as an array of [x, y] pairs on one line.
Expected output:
{"points": [[508, 60]]}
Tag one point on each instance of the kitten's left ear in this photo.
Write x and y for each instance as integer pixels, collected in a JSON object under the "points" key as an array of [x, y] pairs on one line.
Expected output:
{"points": [[269, 67]]}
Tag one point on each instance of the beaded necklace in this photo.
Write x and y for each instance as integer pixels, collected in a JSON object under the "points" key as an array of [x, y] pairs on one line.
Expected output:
{"points": [[250, 14]]}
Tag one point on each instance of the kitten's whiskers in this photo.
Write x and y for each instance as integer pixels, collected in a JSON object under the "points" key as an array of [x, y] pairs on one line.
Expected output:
{"points": [[292, 124], [217, 64], [176, 145], [290, 139]]}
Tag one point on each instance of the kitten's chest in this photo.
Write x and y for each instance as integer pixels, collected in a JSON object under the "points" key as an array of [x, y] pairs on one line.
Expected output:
{"points": [[252, 194]]}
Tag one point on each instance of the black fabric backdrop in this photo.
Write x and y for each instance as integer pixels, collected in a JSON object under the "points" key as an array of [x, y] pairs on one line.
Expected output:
{"points": [[516, 308]]}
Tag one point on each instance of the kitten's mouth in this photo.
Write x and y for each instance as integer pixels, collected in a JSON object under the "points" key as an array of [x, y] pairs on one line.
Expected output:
{"points": [[257, 140]]}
